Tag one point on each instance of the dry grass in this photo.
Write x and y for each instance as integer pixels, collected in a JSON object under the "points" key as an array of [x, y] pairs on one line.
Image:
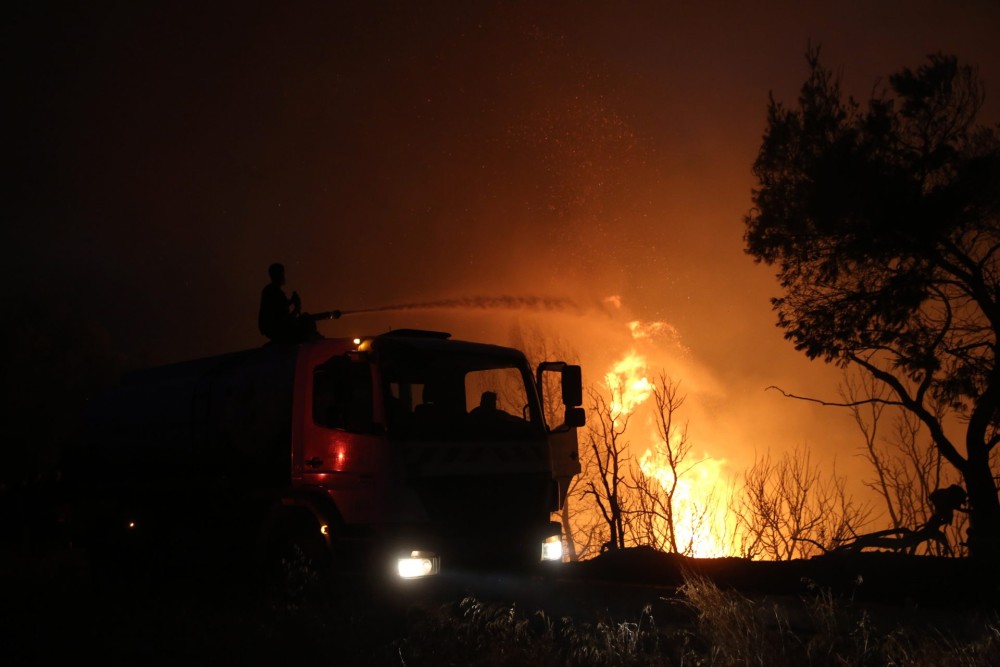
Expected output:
{"points": [[308, 618], [474, 632], [732, 629]]}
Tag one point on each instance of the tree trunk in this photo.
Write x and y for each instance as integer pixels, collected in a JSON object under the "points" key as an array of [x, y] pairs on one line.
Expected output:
{"points": [[984, 513]]}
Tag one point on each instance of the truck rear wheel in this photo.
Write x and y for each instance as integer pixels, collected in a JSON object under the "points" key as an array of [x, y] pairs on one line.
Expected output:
{"points": [[293, 552]]}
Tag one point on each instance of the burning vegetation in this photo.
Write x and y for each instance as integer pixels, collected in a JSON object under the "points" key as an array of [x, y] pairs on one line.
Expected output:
{"points": [[646, 482]]}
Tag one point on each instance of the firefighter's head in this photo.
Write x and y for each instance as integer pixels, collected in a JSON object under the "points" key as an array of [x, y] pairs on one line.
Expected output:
{"points": [[277, 273]]}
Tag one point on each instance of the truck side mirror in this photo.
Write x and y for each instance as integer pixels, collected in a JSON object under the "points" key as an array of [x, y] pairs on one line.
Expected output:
{"points": [[571, 382], [572, 386], [575, 417]]}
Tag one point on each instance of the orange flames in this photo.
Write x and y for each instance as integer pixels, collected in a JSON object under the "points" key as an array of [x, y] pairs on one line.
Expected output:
{"points": [[627, 378], [698, 489], [699, 502]]}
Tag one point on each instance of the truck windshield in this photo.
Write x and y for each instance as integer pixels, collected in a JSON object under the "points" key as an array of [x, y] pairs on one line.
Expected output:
{"points": [[460, 397]]}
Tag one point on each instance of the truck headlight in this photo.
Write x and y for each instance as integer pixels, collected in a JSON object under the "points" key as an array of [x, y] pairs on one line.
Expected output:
{"points": [[418, 564], [552, 548]]}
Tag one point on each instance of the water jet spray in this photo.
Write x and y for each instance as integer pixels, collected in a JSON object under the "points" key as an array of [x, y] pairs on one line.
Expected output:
{"points": [[506, 302]]}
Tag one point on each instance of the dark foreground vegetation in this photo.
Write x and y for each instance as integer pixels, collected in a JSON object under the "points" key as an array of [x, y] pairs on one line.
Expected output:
{"points": [[597, 613]]}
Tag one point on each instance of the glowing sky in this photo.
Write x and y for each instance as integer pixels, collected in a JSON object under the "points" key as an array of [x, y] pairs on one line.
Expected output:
{"points": [[166, 153]]}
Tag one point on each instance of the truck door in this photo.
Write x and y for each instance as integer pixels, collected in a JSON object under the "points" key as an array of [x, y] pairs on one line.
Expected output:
{"points": [[341, 439]]}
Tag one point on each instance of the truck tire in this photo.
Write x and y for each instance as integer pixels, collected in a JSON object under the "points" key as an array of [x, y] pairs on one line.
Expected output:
{"points": [[292, 551]]}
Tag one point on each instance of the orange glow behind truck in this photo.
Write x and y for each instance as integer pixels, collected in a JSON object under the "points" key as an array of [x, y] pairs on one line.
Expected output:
{"points": [[407, 452]]}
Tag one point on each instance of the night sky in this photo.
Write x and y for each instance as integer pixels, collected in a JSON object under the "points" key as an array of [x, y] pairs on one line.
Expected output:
{"points": [[164, 153]]}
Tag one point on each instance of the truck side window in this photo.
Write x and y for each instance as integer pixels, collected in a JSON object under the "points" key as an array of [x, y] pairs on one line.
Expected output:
{"points": [[342, 395]]}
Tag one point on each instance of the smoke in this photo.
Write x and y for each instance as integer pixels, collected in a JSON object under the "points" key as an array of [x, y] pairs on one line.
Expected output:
{"points": [[504, 302]]}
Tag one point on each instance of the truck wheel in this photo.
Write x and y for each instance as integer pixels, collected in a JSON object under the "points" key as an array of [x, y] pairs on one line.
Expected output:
{"points": [[294, 554]]}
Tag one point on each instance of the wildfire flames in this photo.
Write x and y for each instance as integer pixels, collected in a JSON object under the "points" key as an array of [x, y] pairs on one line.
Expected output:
{"points": [[629, 384], [697, 487], [699, 503]]}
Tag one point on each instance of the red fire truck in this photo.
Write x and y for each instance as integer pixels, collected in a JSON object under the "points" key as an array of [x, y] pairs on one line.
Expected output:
{"points": [[408, 451]]}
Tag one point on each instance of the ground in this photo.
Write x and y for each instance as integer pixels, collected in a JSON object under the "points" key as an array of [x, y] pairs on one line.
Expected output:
{"points": [[635, 607]]}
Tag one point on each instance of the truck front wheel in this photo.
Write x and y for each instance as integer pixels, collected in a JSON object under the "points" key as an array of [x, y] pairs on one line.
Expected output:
{"points": [[293, 551]]}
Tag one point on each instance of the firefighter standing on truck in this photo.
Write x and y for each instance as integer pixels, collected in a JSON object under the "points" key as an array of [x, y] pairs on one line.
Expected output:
{"points": [[280, 318]]}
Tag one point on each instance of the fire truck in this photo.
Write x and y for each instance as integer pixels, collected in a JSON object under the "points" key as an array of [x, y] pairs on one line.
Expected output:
{"points": [[408, 452]]}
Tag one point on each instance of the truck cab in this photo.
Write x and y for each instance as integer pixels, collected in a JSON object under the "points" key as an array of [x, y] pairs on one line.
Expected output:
{"points": [[431, 452]]}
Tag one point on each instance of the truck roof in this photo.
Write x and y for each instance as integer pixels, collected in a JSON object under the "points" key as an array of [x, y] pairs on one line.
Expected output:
{"points": [[395, 341], [441, 342]]}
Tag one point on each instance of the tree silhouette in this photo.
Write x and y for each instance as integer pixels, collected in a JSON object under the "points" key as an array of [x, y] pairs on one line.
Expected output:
{"points": [[607, 468], [907, 468], [883, 222], [664, 519], [793, 508]]}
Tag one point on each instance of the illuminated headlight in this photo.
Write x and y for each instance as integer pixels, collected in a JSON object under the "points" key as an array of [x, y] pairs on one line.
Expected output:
{"points": [[552, 549], [418, 564]]}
